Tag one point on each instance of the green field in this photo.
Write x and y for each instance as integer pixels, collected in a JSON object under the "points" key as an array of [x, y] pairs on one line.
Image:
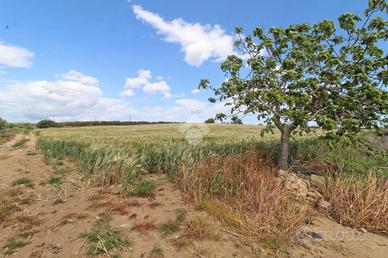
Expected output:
{"points": [[164, 148]]}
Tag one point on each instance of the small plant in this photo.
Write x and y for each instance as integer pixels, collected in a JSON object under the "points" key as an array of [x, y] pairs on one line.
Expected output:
{"points": [[105, 239], [173, 225], [12, 244], [145, 188], [23, 181], [156, 252], [31, 153], [20, 143], [54, 180]]}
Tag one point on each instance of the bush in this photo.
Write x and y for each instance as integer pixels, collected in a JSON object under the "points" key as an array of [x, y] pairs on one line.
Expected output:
{"points": [[3, 124], [46, 124]]}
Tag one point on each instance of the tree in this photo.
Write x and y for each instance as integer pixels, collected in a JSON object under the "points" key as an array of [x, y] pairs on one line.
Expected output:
{"points": [[210, 121], [301, 75], [46, 124], [3, 124], [236, 120]]}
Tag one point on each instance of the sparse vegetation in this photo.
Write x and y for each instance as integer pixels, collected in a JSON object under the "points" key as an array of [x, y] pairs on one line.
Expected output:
{"points": [[156, 252], [172, 226], [23, 181], [104, 240], [54, 180], [231, 173], [12, 244], [20, 143], [144, 188]]}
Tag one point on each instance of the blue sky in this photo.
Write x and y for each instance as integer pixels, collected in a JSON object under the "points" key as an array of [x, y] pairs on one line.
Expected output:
{"points": [[111, 59]]}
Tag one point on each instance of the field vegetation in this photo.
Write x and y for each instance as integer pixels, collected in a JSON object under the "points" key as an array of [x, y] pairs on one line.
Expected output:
{"points": [[231, 173]]}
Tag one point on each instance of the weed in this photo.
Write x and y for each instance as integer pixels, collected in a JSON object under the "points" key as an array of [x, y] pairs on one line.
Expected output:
{"points": [[12, 244], [156, 252], [104, 240], [55, 180], [168, 228], [31, 153], [23, 181], [172, 226], [145, 188]]}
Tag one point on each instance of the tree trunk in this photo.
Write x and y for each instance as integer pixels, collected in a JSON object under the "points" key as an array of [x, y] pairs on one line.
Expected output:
{"points": [[283, 153]]}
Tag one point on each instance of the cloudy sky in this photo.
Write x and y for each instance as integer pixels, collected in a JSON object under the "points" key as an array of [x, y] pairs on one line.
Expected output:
{"points": [[119, 60]]}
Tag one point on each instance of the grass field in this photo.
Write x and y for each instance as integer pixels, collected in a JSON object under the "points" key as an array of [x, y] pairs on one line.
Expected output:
{"points": [[228, 171]]}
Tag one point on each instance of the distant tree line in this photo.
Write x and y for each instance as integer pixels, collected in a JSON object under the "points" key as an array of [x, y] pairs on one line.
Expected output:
{"points": [[50, 123]]}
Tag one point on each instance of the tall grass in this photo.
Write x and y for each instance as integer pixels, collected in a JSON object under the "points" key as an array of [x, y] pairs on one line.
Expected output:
{"points": [[231, 168]]}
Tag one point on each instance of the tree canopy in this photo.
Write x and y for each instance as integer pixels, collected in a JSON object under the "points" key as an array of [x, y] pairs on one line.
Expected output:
{"points": [[329, 74]]}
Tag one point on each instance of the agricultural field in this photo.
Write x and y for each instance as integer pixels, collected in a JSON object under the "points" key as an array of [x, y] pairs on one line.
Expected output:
{"points": [[186, 193]]}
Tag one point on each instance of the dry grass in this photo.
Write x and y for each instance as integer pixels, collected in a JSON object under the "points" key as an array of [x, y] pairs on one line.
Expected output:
{"points": [[144, 226], [73, 217], [242, 191], [359, 204], [111, 205], [199, 228]]}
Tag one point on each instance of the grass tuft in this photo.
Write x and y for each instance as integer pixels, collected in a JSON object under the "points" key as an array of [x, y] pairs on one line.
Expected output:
{"points": [[12, 244], [104, 240], [22, 181], [55, 180]]}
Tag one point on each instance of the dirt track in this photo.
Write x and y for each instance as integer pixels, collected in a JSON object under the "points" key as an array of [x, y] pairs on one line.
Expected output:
{"points": [[52, 217]]}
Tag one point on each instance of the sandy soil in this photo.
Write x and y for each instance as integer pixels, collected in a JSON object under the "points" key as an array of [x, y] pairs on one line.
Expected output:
{"points": [[52, 218]]}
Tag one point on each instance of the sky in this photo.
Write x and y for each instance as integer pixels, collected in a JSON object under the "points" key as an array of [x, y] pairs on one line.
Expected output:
{"points": [[73, 60]]}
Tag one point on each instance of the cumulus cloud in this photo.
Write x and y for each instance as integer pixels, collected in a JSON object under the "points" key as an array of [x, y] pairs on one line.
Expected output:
{"points": [[196, 91], [73, 97], [14, 56], [143, 80], [198, 42]]}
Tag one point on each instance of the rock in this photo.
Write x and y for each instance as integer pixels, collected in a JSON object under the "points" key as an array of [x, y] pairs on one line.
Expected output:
{"points": [[324, 205], [315, 235], [282, 173], [297, 186], [318, 181]]}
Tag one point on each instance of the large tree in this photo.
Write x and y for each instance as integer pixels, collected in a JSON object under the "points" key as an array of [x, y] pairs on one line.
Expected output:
{"points": [[330, 74]]}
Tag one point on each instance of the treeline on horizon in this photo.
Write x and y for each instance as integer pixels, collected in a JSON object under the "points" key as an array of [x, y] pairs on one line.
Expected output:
{"points": [[50, 123]]}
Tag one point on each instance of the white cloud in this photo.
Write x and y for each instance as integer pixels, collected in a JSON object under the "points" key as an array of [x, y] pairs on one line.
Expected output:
{"points": [[198, 42], [79, 77], [14, 56], [143, 80], [196, 91], [73, 97]]}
